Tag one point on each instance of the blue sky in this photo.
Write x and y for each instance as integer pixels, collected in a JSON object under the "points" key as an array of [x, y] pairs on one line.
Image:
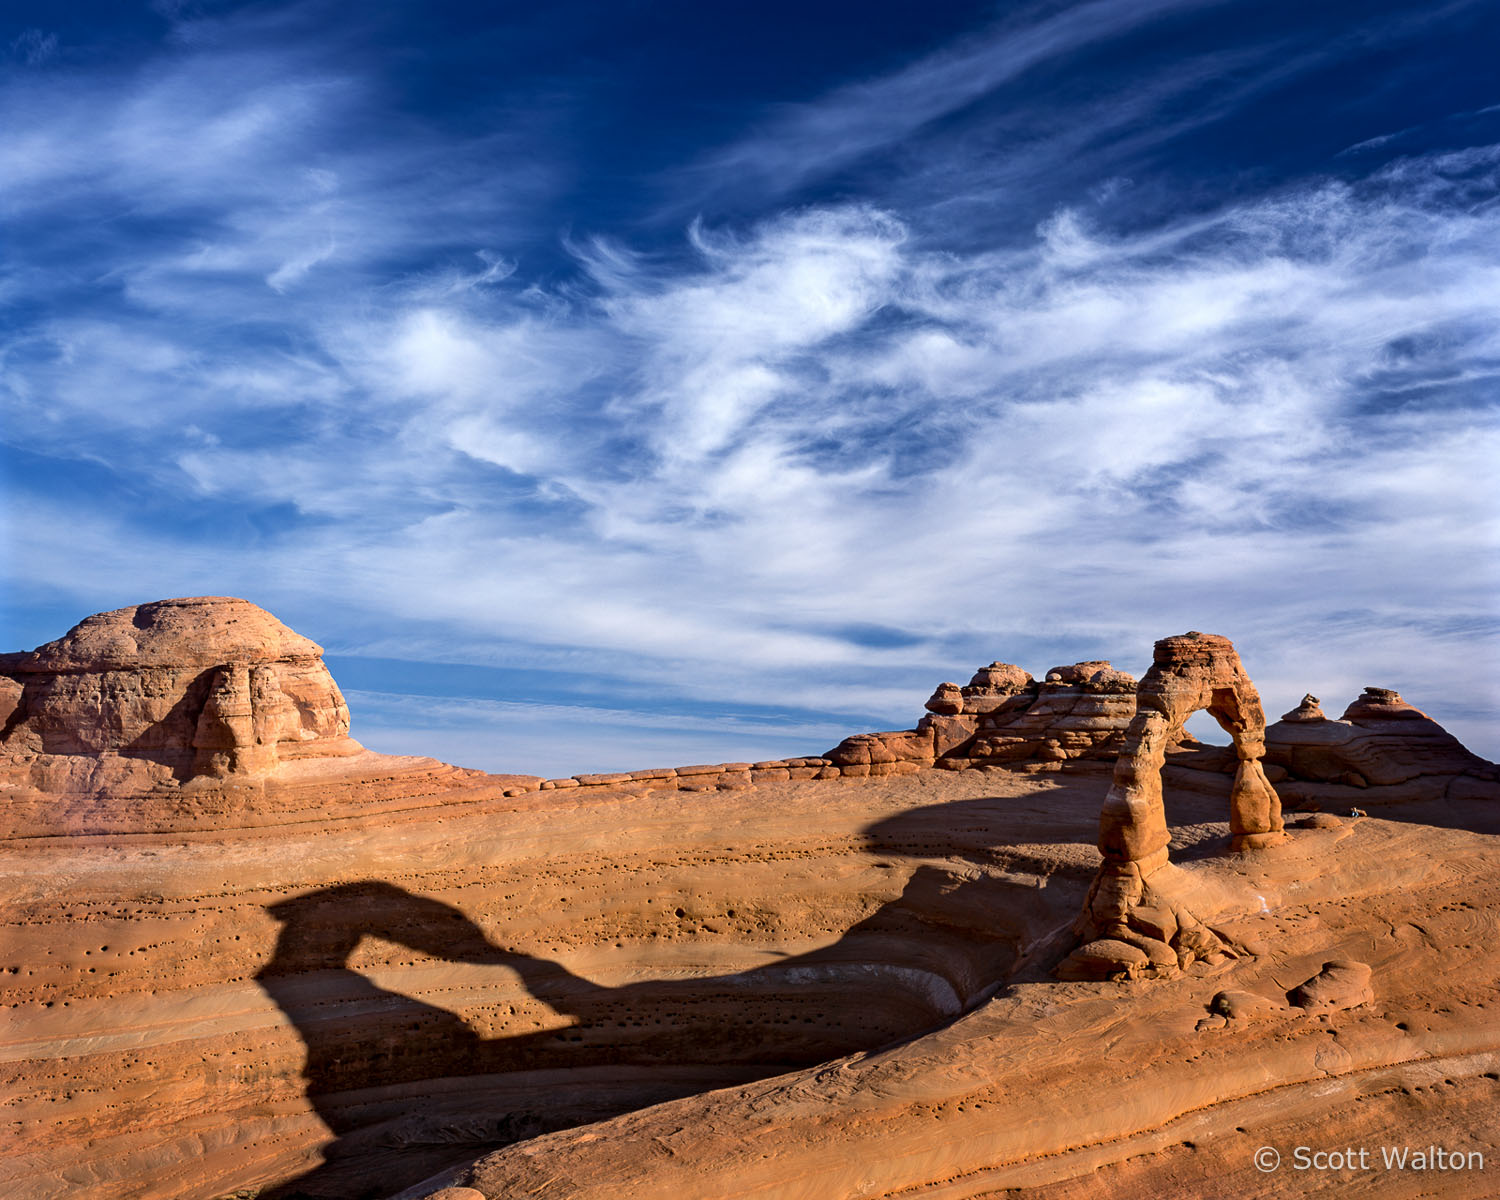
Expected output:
{"points": [[629, 384]]}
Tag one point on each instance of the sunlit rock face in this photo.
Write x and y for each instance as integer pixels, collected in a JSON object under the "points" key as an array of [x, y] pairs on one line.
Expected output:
{"points": [[167, 691], [1002, 716], [1131, 923], [1383, 746], [341, 975]]}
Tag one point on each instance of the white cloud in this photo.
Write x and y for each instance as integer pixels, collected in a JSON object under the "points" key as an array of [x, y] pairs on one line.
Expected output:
{"points": [[1275, 421]]}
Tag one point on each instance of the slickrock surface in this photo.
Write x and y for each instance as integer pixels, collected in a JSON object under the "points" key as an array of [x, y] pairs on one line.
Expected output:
{"points": [[192, 1014], [1096, 1089], [344, 975]]}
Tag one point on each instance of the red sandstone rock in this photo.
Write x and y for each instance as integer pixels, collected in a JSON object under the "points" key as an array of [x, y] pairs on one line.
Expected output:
{"points": [[1341, 984], [948, 700], [913, 745], [1308, 710], [1004, 716], [1188, 673], [1382, 743], [1077, 673], [1080, 711], [590, 943], [202, 686], [1106, 958], [1245, 1006]]}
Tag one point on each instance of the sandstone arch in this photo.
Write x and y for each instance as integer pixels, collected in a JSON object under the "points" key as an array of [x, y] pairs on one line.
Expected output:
{"points": [[1190, 672]]}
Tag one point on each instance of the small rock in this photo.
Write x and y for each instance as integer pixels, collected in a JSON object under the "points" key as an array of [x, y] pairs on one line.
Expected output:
{"points": [[1157, 950], [1102, 959], [1196, 942], [1308, 710], [1155, 922], [1342, 983], [1245, 1006], [947, 700]]}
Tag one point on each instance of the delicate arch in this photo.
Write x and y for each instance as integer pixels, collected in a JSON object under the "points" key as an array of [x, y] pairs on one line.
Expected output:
{"points": [[1190, 672]]}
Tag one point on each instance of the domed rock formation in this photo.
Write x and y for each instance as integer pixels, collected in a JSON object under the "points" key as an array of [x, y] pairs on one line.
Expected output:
{"points": [[207, 685], [197, 713], [1383, 746]]}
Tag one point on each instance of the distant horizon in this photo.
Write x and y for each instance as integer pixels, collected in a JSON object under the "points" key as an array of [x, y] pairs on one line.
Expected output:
{"points": [[507, 721], [644, 384]]}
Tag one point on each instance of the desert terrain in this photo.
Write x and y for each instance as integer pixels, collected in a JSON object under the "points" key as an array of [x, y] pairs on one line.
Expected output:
{"points": [[245, 957]]}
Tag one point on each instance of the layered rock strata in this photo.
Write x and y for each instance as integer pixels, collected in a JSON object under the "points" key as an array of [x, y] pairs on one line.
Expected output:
{"points": [[193, 713], [344, 973], [1384, 747], [1003, 715], [1365, 1017], [355, 1003], [167, 692]]}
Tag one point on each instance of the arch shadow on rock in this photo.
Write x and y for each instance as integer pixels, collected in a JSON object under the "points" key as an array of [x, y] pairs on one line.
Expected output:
{"points": [[409, 1088]]}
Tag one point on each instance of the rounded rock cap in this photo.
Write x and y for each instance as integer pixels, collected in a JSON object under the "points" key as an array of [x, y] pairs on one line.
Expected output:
{"points": [[1382, 704], [191, 631], [1308, 710], [1079, 672], [1001, 677]]}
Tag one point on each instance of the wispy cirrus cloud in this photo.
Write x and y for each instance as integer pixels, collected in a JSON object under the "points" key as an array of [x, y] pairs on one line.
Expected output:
{"points": [[821, 457]]}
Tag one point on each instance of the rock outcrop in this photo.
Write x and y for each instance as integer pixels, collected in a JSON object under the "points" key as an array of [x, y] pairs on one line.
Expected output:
{"points": [[1341, 984], [1382, 746], [1003, 715], [1077, 712], [724, 979], [1189, 673], [189, 714], [207, 685]]}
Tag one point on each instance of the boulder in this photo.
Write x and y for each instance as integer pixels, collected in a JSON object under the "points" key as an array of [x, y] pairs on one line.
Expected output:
{"points": [[1308, 710], [1105, 958], [1245, 1006], [1342, 983]]}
